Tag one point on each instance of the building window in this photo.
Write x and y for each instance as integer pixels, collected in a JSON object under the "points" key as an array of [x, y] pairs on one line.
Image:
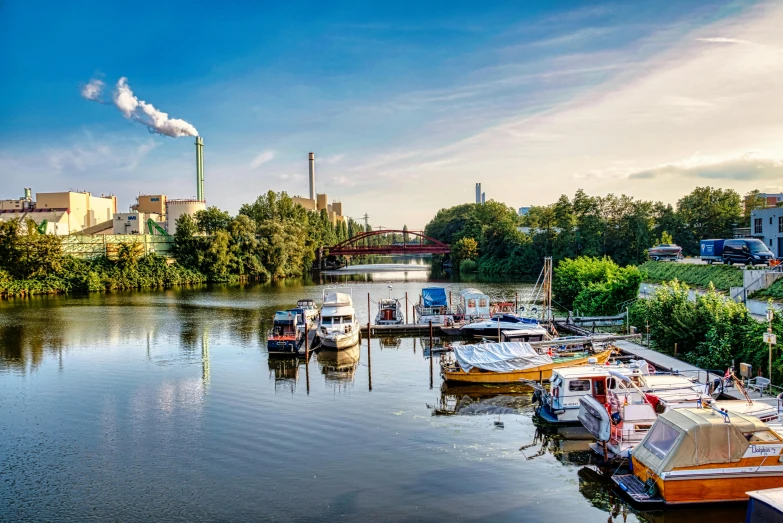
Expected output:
{"points": [[770, 242], [770, 220], [757, 226], [780, 224]]}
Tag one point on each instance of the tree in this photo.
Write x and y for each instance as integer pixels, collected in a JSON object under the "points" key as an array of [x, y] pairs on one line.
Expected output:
{"points": [[212, 219], [186, 244], [753, 200], [464, 249], [711, 213]]}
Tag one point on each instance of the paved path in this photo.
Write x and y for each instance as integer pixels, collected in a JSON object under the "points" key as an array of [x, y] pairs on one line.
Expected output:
{"points": [[662, 361]]}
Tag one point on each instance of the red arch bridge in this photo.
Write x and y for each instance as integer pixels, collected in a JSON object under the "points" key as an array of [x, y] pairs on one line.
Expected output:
{"points": [[413, 242]]}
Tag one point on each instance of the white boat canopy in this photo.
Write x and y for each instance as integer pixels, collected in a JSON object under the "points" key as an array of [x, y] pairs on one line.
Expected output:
{"points": [[474, 302], [499, 357], [336, 299]]}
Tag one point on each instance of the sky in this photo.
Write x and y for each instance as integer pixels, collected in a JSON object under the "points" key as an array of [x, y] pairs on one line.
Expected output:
{"points": [[406, 105]]}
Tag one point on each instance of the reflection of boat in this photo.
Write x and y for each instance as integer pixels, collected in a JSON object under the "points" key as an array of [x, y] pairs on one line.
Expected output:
{"points": [[703, 455], [339, 365], [434, 307], [390, 342], [339, 327], [471, 400], [527, 329], [310, 310], [509, 362], [285, 335]]}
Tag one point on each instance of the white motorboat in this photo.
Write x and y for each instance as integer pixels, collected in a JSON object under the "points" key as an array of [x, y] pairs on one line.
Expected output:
{"points": [[310, 310], [492, 328], [338, 328], [434, 307], [389, 311]]}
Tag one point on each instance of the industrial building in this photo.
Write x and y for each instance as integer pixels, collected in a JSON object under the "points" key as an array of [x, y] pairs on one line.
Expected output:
{"points": [[134, 222], [318, 202], [64, 212]]}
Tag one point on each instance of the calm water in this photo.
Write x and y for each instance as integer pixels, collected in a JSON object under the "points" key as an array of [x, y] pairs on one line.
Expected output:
{"points": [[165, 406]]}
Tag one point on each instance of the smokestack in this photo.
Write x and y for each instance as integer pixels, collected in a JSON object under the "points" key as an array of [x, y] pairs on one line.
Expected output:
{"points": [[483, 197], [312, 176], [199, 168], [478, 193], [28, 194]]}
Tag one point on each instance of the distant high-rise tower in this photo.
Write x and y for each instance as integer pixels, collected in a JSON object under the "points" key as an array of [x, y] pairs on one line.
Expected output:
{"points": [[478, 193], [483, 197], [312, 176]]}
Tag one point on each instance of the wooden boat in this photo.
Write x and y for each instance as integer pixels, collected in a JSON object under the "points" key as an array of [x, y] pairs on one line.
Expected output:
{"points": [[539, 366], [703, 456]]}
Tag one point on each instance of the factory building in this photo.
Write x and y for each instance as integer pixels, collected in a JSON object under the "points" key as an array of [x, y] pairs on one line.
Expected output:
{"points": [[150, 203], [176, 208], [133, 222], [318, 202], [64, 212]]}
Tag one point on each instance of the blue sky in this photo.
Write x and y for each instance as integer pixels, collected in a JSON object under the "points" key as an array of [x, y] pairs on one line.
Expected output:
{"points": [[405, 104]]}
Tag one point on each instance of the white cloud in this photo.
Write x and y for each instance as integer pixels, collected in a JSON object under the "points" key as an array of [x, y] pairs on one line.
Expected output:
{"points": [[722, 40], [262, 158]]}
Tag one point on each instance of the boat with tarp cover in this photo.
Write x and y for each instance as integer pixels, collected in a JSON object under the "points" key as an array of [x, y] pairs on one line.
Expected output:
{"points": [[510, 362], [434, 307], [703, 456]]}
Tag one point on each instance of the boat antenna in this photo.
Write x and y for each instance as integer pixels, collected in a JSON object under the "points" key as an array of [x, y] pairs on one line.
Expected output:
{"points": [[390, 289]]}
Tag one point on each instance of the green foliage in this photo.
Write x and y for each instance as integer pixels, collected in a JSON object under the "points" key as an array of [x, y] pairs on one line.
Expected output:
{"points": [[466, 266], [464, 249], [665, 239], [773, 292], [711, 331], [594, 286], [212, 220], [710, 213], [720, 276]]}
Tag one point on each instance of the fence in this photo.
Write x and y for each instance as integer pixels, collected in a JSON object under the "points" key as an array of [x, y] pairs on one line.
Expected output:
{"points": [[94, 246]]}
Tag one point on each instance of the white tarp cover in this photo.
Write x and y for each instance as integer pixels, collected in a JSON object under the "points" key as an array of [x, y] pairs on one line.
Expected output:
{"points": [[692, 437], [499, 357], [338, 298]]}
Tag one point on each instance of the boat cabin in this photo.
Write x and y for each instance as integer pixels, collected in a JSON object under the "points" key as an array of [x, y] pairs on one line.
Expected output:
{"points": [[765, 506], [285, 323], [474, 303]]}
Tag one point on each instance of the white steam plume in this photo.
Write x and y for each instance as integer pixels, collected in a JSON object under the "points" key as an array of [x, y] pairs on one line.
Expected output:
{"points": [[139, 110], [92, 91]]}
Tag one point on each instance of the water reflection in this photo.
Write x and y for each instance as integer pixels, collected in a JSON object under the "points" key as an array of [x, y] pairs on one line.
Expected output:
{"points": [[339, 366], [285, 371], [478, 399]]}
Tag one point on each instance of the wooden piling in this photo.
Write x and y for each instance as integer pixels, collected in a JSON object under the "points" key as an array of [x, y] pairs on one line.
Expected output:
{"points": [[307, 359], [369, 361], [406, 308], [431, 353], [516, 302]]}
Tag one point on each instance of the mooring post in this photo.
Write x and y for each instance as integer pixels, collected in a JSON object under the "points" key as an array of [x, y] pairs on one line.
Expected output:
{"points": [[516, 302], [431, 352], [307, 359], [675, 349], [369, 361], [406, 308]]}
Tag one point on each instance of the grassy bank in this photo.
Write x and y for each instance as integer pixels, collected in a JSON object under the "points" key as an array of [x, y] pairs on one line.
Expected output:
{"points": [[76, 275], [774, 292], [721, 276]]}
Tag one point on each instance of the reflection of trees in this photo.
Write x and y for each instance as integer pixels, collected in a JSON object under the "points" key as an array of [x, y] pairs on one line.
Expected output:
{"points": [[25, 342]]}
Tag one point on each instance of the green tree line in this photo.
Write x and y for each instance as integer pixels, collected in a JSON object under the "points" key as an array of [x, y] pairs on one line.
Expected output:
{"points": [[620, 227]]}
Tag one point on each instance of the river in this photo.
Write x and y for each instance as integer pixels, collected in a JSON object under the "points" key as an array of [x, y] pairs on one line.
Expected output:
{"points": [[164, 405]]}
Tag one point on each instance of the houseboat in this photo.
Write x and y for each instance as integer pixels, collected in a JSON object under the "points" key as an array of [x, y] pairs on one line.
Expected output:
{"points": [[338, 328], [434, 307], [703, 456], [510, 362], [492, 328], [285, 336], [474, 304]]}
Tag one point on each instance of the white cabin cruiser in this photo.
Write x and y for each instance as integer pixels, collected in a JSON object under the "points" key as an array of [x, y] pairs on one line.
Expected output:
{"points": [[492, 328], [339, 328], [434, 307], [310, 310]]}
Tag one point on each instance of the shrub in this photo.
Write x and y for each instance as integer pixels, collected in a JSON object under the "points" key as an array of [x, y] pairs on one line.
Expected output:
{"points": [[594, 286], [720, 276], [468, 266]]}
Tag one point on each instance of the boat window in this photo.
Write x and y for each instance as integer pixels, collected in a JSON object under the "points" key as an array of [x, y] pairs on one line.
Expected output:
{"points": [[536, 338], [660, 439], [611, 383], [600, 388], [482, 302], [472, 303], [762, 435], [579, 385]]}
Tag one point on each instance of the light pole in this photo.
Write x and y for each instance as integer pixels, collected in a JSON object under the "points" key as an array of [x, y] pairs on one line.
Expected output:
{"points": [[771, 339]]}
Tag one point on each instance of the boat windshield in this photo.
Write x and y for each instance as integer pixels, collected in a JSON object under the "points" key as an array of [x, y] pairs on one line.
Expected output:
{"points": [[661, 439], [336, 320]]}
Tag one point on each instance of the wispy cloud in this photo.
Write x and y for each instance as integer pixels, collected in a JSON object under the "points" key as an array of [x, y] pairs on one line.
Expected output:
{"points": [[750, 166], [262, 158], [722, 40]]}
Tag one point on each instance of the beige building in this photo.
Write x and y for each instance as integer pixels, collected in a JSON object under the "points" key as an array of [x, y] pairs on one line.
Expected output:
{"points": [[84, 210], [321, 202], [56, 219], [133, 222], [151, 203]]}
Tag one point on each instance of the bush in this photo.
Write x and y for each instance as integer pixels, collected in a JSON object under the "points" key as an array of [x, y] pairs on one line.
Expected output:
{"points": [[468, 266], [594, 286], [720, 276]]}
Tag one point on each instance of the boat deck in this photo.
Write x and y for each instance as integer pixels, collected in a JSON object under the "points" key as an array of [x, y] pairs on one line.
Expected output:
{"points": [[635, 489]]}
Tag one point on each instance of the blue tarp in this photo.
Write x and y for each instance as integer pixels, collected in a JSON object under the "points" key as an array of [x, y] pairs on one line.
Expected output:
{"points": [[434, 297]]}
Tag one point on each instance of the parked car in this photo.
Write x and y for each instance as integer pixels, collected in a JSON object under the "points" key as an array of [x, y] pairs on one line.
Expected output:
{"points": [[746, 251], [665, 251], [711, 251]]}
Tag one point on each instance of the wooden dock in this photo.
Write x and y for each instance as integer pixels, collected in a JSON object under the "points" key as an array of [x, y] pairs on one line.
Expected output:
{"points": [[404, 329]]}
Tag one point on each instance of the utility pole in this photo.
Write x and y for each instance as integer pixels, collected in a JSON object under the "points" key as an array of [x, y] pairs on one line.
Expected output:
{"points": [[770, 339]]}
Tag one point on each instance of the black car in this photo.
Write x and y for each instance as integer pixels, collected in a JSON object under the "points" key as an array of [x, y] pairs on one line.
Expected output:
{"points": [[748, 252]]}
